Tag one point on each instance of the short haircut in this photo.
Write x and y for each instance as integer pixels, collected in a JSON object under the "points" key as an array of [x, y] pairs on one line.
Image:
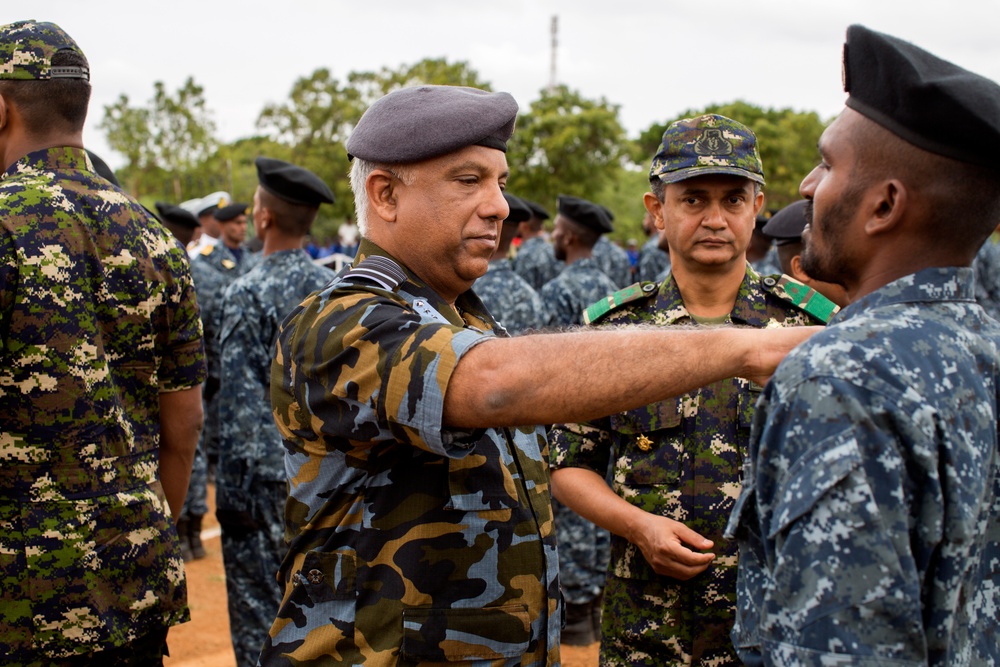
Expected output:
{"points": [[292, 219], [360, 170], [51, 104], [588, 237]]}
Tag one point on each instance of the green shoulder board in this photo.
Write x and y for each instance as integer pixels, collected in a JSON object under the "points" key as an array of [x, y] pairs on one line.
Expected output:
{"points": [[631, 293], [803, 296]]}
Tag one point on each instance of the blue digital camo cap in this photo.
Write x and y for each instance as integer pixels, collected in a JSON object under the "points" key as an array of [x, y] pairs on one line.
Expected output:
{"points": [[710, 144], [26, 50]]}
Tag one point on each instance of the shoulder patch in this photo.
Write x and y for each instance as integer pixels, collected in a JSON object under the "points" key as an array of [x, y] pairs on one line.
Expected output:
{"points": [[801, 296], [382, 271], [596, 311]]}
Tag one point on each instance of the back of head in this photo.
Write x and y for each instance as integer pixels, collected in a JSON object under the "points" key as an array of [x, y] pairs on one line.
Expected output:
{"points": [[293, 194], [45, 75], [590, 221]]}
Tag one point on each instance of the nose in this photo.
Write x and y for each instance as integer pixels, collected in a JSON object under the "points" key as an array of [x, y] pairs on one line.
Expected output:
{"points": [[807, 188], [495, 205], [715, 217]]}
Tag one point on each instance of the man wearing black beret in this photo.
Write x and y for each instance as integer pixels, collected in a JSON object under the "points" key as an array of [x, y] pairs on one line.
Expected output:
{"points": [[869, 521], [179, 221], [419, 519], [535, 260], [250, 479]]}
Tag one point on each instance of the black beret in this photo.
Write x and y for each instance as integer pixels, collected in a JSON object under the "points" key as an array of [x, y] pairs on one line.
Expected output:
{"points": [[231, 212], [414, 124], [590, 215], [929, 102], [786, 225], [176, 215], [519, 210], [537, 210], [292, 183]]}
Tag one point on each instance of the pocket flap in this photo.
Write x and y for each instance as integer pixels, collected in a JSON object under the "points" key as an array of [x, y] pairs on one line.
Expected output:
{"points": [[491, 633], [816, 472]]}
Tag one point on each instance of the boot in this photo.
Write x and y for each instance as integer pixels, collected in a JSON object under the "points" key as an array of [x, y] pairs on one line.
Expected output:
{"points": [[579, 630], [182, 533], [194, 537]]}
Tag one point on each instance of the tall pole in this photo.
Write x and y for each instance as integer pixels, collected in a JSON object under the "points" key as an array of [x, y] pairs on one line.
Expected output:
{"points": [[555, 41]]}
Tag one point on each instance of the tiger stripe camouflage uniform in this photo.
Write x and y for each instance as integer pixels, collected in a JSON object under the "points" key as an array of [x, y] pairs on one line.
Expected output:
{"points": [[98, 317], [882, 428], [681, 459], [410, 543], [250, 479]]}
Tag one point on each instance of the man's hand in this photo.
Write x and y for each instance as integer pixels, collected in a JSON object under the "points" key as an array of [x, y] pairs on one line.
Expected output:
{"points": [[663, 543], [774, 345]]}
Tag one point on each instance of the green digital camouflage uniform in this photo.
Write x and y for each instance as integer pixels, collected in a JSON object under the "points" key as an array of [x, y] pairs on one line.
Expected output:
{"points": [[682, 459], [98, 317], [410, 543]]}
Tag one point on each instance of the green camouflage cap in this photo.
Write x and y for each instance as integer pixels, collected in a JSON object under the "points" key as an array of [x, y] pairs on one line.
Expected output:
{"points": [[710, 144], [26, 50]]}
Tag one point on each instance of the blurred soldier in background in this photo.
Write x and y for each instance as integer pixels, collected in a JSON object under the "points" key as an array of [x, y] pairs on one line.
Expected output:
{"points": [[535, 260]]}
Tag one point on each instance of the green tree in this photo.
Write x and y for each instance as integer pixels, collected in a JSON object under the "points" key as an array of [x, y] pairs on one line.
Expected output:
{"points": [[566, 144], [786, 140]]}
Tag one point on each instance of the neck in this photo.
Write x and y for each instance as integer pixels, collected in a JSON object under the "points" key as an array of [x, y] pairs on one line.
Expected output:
{"points": [[20, 146], [709, 293], [277, 243], [576, 253]]}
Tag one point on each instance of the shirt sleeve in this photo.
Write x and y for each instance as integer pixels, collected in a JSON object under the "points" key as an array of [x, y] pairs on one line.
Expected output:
{"points": [[183, 363]]}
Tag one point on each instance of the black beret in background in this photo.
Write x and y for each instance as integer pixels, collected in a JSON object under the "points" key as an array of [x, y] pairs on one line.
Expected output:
{"points": [[590, 215], [177, 215], [292, 183], [929, 102], [227, 213], [414, 124], [537, 209], [519, 210], [786, 225]]}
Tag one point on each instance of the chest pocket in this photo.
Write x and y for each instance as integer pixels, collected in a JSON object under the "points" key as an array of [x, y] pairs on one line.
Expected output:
{"points": [[650, 443]]}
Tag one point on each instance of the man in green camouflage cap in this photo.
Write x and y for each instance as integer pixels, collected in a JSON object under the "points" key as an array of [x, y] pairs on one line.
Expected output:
{"points": [[671, 591], [101, 362], [419, 519]]}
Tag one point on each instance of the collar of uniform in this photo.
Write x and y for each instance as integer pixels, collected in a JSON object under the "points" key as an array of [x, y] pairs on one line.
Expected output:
{"points": [[50, 159], [950, 283], [749, 309]]}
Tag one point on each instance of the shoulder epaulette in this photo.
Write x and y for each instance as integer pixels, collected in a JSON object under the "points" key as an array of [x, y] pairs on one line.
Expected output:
{"points": [[631, 293], [801, 296], [382, 271], [206, 250]]}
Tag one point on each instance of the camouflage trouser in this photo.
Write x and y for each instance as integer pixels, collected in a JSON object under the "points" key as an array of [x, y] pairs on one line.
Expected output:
{"points": [[656, 624], [584, 550], [253, 545]]}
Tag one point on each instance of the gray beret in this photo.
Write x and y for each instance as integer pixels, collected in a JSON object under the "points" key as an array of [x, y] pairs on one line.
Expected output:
{"points": [[414, 124]]}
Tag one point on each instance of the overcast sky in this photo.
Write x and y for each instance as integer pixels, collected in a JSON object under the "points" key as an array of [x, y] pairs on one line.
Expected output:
{"points": [[652, 59]]}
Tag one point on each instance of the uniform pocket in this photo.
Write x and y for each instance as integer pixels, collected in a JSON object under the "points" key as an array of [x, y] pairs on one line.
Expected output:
{"points": [[456, 635], [650, 446]]}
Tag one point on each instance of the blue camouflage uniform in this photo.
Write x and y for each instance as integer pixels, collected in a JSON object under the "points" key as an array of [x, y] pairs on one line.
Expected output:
{"points": [[410, 542], [536, 262], [769, 263], [653, 262], [213, 269], [510, 299], [251, 489], [98, 317], [987, 268], [679, 458], [567, 295], [614, 262], [869, 522]]}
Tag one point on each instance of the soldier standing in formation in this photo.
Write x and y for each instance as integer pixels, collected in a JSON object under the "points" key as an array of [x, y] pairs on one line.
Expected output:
{"points": [[676, 464], [535, 260], [511, 300], [101, 365], [869, 521], [250, 479]]}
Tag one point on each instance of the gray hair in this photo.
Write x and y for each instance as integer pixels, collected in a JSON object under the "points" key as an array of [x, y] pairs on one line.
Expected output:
{"points": [[360, 171]]}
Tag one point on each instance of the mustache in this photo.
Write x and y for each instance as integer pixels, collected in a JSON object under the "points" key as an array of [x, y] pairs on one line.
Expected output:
{"points": [[808, 212]]}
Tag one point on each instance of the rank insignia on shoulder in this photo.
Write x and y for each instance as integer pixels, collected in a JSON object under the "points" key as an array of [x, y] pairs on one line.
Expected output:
{"points": [[596, 311], [382, 271], [803, 296], [229, 264], [206, 250]]}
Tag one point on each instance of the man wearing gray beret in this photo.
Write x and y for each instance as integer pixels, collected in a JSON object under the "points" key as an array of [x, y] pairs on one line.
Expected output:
{"points": [[419, 516]]}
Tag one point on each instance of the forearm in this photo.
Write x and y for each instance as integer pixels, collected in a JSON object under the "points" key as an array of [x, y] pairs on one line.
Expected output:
{"points": [[579, 376], [588, 494], [180, 425]]}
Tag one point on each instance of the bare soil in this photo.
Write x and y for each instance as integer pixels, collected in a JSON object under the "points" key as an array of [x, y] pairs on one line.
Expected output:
{"points": [[204, 641]]}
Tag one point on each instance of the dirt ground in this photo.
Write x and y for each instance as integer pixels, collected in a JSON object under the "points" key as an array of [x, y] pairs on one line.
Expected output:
{"points": [[204, 641]]}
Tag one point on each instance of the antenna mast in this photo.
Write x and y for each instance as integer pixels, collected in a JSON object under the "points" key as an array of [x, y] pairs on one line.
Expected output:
{"points": [[555, 41]]}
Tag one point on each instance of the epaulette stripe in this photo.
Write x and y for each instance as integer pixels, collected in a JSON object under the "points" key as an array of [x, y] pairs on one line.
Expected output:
{"points": [[808, 299], [821, 308], [595, 311], [380, 270]]}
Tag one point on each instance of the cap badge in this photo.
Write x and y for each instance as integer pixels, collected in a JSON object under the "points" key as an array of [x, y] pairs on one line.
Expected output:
{"points": [[711, 142], [644, 443]]}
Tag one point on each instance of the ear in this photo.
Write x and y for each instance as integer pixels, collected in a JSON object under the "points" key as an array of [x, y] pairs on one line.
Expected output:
{"points": [[3, 112], [886, 206], [381, 187], [758, 203], [655, 208], [797, 272]]}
